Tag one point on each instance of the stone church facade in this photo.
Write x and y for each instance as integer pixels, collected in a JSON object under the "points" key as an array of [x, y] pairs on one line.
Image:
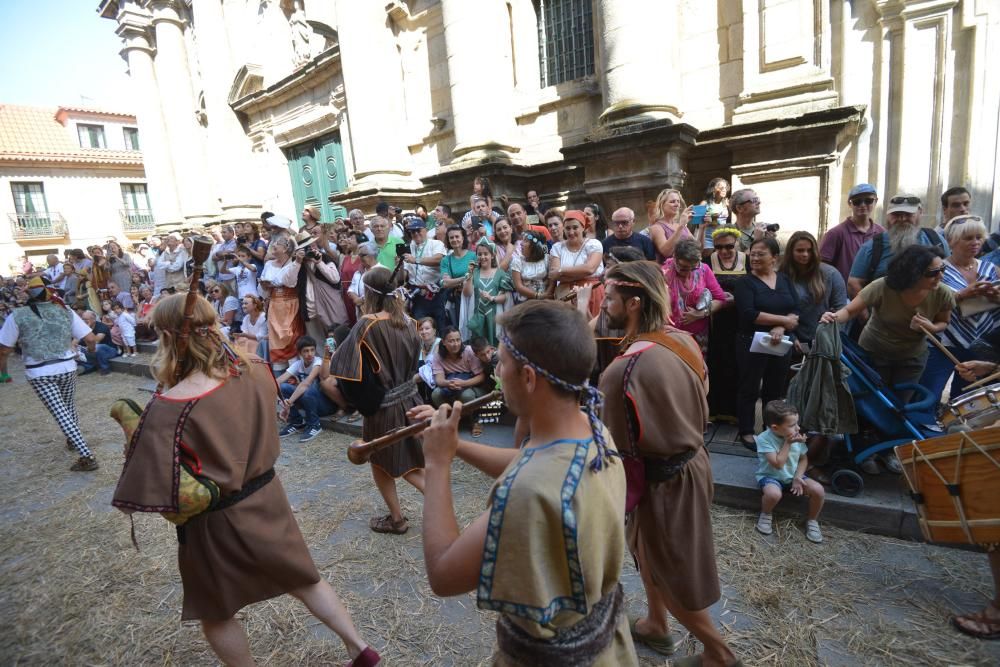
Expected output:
{"points": [[250, 105]]}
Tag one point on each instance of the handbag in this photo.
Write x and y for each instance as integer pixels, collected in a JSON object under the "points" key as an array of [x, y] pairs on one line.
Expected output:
{"points": [[196, 493], [476, 324]]}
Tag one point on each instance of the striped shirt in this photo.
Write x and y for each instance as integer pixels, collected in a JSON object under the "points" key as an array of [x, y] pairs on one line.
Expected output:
{"points": [[962, 331]]}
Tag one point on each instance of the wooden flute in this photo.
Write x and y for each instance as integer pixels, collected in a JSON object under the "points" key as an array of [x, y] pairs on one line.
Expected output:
{"points": [[359, 451]]}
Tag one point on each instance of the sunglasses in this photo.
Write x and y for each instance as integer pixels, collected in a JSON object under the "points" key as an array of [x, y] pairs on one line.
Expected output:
{"points": [[621, 223], [755, 200], [966, 218], [863, 202], [930, 273], [216, 291], [725, 246], [913, 201]]}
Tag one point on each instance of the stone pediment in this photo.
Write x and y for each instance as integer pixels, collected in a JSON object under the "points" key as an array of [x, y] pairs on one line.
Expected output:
{"points": [[249, 80]]}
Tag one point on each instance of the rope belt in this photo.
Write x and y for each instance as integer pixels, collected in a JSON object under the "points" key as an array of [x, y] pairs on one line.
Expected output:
{"points": [[575, 646], [399, 393]]}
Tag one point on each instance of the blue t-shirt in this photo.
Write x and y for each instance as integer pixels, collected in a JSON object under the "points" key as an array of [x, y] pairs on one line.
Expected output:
{"points": [[769, 441], [859, 269]]}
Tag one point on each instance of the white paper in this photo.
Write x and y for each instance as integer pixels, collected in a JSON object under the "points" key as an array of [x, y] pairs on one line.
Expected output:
{"points": [[762, 343]]}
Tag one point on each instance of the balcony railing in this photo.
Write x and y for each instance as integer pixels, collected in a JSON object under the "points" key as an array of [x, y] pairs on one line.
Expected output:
{"points": [[134, 220], [27, 226]]}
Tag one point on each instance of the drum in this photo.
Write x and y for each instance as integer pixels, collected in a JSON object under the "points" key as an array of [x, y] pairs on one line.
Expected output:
{"points": [[955, 482], [975, 409]]}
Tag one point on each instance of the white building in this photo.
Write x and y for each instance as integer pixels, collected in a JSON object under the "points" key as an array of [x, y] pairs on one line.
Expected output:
{"points": [[269, 104], [69, 178]]}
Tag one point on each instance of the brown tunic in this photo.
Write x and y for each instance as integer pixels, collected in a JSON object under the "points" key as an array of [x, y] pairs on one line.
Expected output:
{"points": [[250, 551], [672, 524], [396, 355]]}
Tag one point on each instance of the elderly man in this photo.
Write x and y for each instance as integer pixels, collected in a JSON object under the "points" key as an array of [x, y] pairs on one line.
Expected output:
{"points": [[519, 221], [745, 205], [102, 351], [423, 273], [385, 243], [622, 224], [356, 220], [120, 295], [904, 230], [840, 244], [368, 254]]}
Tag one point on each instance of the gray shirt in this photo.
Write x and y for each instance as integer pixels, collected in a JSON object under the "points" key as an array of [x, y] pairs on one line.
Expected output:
{"points": [[834, 298]]}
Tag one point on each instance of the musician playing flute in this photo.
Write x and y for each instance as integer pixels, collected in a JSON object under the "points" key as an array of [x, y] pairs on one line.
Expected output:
{"points": [[547, 554], [249, 547], [373, 370], [656, 408]]}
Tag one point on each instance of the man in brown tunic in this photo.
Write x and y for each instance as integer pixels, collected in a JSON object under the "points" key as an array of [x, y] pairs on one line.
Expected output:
{"points": [[662, 422]]}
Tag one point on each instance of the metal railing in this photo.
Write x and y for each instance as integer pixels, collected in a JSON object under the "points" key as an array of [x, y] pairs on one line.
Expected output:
{"points": [[136, 220], [37, 225]]}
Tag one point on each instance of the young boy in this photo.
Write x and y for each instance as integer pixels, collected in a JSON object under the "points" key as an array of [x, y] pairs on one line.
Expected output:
{"points": [[125, 321], [303, 403], [781, 450], [486, 353]]}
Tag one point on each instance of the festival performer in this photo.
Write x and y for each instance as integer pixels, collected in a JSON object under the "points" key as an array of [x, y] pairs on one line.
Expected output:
{"points": [[247, 548], [662, 423], [373, 371], [548, 552], [45, 329]]}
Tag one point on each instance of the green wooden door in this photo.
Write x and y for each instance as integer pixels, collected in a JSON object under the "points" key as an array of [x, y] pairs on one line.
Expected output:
{"points": [[316, 170]]}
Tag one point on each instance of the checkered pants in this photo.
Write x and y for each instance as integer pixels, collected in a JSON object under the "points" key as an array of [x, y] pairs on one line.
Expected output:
{"points": [[58, 393]]}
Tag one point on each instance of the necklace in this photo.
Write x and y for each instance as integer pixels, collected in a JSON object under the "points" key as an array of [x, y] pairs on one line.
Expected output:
{"points": [[731, 267], [970, 267]]}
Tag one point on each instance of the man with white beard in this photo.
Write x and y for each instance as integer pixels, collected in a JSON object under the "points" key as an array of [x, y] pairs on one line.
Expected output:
{"points": [[902, 230]]}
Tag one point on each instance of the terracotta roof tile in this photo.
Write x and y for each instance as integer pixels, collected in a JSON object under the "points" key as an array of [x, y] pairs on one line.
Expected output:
{"points": [[33, 134]]}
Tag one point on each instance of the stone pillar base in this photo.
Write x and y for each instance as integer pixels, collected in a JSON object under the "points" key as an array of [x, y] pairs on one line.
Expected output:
{"points": [[631, 111]]}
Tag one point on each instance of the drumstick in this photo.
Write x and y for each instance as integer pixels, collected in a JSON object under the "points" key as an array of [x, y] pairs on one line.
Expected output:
{"points": [[988, 378], [939, 345]]}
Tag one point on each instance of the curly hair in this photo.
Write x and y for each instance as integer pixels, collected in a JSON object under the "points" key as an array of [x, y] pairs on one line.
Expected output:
{"points": [[908, 267]]}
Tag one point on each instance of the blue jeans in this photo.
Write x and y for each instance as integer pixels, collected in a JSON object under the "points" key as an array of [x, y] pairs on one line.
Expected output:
{"points": [[939, 368], [433, 308], [308, 407], [100, 357]]}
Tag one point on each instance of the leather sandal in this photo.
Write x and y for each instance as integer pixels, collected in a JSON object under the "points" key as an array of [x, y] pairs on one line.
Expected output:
{"points": [[977, 625], [477, 429], [385, 524]]}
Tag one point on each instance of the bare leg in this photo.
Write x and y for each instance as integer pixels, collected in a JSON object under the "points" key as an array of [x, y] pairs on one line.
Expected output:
{"points": [[332, 390], [416, 478], [387, 487], [770, 495], [655, 623], [322, 601], [229, 641], [816, 495], [699, 623]]}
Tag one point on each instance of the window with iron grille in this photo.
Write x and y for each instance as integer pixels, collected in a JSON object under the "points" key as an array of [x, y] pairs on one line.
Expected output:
{"points": [[131, 138], [91, 136], [565, 40]]}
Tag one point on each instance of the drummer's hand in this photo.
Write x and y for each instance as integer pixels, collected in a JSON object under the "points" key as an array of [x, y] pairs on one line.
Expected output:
{"points": [[441, 437], [970, 370], [920, 322], [798, 488], [420, 413]]}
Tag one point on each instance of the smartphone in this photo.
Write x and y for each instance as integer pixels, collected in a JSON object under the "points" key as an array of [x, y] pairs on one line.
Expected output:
{"points": [[331, 344], [402, 249], [698, 214]]}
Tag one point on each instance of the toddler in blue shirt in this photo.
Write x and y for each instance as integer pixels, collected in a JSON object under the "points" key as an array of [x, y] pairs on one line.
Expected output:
{"points": [[782, 452]]}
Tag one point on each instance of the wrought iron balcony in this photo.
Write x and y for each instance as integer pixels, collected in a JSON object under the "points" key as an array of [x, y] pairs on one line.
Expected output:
{"points": [[27, 226], [135, 220]]}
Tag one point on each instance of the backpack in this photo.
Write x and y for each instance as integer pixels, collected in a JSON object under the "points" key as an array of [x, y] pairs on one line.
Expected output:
{"points": [[878, 249]]}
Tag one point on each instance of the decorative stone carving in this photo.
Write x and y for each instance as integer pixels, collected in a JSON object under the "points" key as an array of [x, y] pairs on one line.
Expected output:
{"points": [[301, 34]]}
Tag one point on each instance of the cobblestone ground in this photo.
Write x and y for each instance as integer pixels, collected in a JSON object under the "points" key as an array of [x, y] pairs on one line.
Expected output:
{"points": [[73, 590]]}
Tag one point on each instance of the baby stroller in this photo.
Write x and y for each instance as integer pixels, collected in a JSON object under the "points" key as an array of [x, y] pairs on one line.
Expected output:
{"points": [[883, 421]]}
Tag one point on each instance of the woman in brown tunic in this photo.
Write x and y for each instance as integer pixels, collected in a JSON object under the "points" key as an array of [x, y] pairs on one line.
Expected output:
{"points": [[250, 549], [662, 423], [373, 371]]}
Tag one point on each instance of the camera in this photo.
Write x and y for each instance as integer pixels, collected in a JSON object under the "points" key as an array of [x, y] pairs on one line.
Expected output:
{"points": [[312, 253], [242, 240], [773, 227], [402, 249]]}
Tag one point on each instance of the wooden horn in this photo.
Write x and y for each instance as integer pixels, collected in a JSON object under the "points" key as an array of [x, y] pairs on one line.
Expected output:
{"points": [[201, 246], [359, 451]]}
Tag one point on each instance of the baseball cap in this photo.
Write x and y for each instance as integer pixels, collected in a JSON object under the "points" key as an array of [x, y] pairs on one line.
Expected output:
{"points": [[861, 189], [415, 223], [904, 203]]}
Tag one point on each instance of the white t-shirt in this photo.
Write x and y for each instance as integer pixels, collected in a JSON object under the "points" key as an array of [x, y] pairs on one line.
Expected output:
{"points": [[569, 258], [11, 332], [281, 276], [357, 284], [298, 369], [246, 281], [419, 273], [257, 329]]}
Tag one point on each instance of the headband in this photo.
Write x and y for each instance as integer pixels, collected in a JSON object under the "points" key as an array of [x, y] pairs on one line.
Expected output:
{"points": [[593, 400], [726, 231], [623, 283]]}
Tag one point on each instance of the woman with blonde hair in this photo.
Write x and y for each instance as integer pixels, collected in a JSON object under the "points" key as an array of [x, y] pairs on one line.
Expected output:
{"points": [[671, 223], [247, 548]]}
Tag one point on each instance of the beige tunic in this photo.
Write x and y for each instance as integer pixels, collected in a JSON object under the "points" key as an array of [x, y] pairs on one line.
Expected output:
{"points": [[672, 524], [547, 561], [248, 552]]}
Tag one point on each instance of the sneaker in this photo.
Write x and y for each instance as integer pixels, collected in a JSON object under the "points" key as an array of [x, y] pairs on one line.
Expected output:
{"points": [[84, 464], [813, 533], [105, 371], [289, 429], [310, 433], [870, 466], [764, 522], [891, 463]]}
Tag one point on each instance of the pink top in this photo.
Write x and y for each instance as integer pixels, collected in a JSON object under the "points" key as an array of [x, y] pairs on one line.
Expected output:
{"points": [[685, 294], [840, 245]]}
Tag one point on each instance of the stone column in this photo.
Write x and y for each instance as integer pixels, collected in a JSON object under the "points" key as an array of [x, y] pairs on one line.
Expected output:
{"points": [[373, 82], [225, 133], [133, 28], [639, 68], [199, 203], [481, 78]]}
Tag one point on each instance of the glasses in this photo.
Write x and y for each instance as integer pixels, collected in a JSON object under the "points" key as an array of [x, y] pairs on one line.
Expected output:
{"points": [[863, 202], [931, 273], [755, 200], [686, 268], [905, 200], [759, 255], [966, 218], [621, 223], [725, 246], [216, 291]]}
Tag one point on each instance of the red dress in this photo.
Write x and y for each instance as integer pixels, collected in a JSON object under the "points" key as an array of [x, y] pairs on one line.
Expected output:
{"points": [[347, 270]]}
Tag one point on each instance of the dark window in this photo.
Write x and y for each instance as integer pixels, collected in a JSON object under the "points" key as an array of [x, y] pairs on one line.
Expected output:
{"points": [[91, 136], [131, 138], [565, 40]]}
